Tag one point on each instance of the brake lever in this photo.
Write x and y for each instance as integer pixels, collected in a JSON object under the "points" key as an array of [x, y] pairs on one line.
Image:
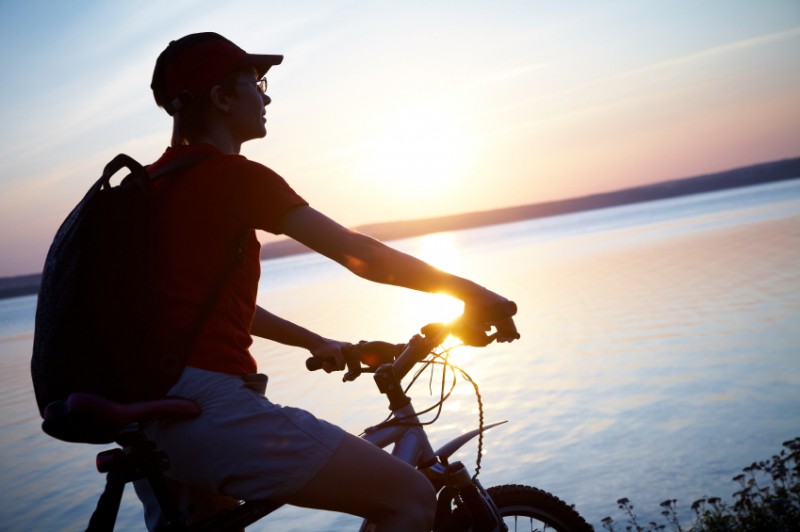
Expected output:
{"points": [[472, 334]]}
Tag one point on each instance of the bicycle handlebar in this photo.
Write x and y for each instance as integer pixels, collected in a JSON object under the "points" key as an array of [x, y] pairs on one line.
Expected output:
{"points": [[366, 357]]}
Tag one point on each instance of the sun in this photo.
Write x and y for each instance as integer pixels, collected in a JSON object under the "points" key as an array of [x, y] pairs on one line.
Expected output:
{"points": [[415, 148]]}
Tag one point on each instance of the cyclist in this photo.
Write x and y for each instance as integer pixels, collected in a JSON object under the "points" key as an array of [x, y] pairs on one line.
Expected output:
{"points": [[243, 446]]}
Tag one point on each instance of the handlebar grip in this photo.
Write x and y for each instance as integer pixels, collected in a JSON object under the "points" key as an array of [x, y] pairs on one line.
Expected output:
{"points": [[499, 311], [352, 359], [511, 307], [313, 363]]}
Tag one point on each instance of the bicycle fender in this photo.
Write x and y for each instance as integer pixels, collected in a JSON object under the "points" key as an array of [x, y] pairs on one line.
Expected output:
{"points": [[452, 446]]}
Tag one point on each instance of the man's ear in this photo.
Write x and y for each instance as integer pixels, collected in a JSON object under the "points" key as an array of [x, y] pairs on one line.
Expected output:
{"points": [[220, 100]]}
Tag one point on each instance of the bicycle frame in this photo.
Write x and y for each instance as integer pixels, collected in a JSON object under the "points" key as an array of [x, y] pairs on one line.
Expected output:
{"points": [[410, 440], [411, 443]]}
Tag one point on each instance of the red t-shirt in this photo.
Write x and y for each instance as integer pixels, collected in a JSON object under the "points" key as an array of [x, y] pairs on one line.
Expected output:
{"points": [[203, 215]]}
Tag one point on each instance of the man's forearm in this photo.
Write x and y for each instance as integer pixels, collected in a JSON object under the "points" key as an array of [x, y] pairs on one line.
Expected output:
{"points": [[375, 261], [272, 327], [384, 264]]}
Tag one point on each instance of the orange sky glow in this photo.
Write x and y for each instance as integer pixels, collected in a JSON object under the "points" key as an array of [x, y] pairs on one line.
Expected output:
{"points": [[397, 110]]}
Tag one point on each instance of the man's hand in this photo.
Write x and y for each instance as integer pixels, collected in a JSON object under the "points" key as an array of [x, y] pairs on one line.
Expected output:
{"points": [[481, 317], [506, 330], [331, 352]]}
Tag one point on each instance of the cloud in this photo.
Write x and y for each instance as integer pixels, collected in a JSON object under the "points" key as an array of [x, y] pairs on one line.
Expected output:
{"points": [[709, 53], [674, 78], [514, 73]]}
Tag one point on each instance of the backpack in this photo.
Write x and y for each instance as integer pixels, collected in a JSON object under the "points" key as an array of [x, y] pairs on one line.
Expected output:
{"points": [[94, 326]]}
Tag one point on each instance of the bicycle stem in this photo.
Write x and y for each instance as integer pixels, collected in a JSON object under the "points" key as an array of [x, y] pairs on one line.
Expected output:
{"points": [[388, 376], [419, 347], [389, 385]]}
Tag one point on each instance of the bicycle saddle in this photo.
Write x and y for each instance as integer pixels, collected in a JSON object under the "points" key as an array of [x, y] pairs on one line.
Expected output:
{"points": [[88, 418]]}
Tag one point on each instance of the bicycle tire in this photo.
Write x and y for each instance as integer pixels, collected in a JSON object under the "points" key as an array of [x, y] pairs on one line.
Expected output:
{"points": [[531, 508]]}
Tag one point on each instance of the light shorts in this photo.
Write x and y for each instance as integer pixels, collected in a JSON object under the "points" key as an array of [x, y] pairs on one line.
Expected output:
{"points": [[242, 445]]}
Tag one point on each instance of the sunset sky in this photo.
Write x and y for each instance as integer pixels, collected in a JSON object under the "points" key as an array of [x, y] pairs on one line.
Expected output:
{"points": [[391, 110]]}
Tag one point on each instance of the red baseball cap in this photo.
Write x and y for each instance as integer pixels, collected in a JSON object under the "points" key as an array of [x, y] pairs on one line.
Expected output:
{"points": [[192, 65]]}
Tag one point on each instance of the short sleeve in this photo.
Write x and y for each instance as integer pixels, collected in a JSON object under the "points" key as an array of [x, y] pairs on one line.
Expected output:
{"points": [[261, 196]]}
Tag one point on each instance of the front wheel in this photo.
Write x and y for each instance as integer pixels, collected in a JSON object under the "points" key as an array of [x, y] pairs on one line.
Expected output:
{"points": [[527, 508]]}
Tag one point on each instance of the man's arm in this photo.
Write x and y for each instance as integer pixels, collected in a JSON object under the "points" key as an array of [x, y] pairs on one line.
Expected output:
{"points": [[268, 325], [375, 261]]}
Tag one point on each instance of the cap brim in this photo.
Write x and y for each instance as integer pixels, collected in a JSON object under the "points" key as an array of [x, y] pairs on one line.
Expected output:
{"points": [[261, 62]]}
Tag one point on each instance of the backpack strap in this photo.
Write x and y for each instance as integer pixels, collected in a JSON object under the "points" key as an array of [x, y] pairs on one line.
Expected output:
{"points": [[236, 260], [180, 164], [215, 293]]}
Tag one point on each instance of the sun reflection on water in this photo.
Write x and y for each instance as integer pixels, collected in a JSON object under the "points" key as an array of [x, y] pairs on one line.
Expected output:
{"points": [[439, 250]]}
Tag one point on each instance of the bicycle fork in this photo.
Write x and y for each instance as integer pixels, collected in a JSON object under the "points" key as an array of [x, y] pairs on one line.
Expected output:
{"points": [[470, 497]]}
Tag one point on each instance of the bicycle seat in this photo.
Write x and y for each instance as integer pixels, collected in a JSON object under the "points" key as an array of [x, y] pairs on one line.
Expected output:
{"points": [[89, 418]]}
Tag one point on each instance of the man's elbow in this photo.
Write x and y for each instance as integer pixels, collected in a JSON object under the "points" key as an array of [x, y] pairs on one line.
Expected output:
{"points": [[367, 258]]}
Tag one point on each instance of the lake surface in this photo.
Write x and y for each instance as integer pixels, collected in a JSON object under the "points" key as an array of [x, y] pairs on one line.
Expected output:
{"points": [[660, 354]]}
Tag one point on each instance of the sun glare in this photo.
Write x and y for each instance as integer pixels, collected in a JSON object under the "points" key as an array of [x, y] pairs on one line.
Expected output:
{"points": [[439, 250], [421, 148]]}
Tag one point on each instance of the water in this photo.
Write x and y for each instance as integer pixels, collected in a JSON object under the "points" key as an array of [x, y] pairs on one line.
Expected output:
{"points": [[659, 356]]}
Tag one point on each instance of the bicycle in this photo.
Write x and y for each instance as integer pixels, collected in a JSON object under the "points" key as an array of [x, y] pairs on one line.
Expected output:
{"points": [[463, 503]]}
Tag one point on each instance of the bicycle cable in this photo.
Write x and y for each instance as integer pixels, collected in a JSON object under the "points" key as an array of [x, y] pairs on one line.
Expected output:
{"points": [[442, 358]]}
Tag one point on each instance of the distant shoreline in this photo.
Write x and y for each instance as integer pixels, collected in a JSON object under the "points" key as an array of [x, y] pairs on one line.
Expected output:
{"points": [[782, 170], [738, 177]]}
